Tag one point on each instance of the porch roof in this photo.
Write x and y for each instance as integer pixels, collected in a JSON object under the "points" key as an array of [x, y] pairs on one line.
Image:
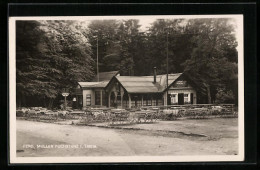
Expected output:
{"points": [[101, 84]]}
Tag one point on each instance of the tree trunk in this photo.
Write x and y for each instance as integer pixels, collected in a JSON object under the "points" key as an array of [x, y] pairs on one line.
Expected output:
{"points": [[50, 103], [209, 95], [44, 102]]}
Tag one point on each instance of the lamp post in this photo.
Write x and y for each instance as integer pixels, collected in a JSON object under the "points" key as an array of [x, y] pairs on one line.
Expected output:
{"points": [[97, 60], [96, 36], [168, 29], [167, 65]]}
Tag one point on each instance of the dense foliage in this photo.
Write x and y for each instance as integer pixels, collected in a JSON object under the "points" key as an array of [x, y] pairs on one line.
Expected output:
{"points": [[52, 55]]}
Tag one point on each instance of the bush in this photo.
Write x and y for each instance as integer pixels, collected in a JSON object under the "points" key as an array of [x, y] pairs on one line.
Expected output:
{"points": [[19, 113], [224, 96]]}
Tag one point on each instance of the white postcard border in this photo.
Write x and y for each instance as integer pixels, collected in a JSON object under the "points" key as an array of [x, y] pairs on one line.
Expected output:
{"points": [[114, 159]]}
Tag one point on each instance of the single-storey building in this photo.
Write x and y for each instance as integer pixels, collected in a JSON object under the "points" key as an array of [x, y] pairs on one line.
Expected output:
{"points": [[93, 93], [113, 90]]}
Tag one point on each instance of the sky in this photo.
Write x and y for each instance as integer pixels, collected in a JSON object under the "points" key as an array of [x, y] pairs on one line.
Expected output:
{"points": [[146, 20]]}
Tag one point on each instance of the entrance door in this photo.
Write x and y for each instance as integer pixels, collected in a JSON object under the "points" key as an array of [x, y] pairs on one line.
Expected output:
{"points": [[180, 99], [191, 98]]}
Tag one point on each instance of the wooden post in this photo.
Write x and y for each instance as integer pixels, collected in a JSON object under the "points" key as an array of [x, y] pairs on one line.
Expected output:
{"points": [[165, 99], [129, 100], [77, 102], [142, 100], [109, 94], [101, 102], [115, 97], [122, 95]]}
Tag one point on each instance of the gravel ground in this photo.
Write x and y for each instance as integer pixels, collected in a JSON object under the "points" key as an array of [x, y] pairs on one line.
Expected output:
{"points": [[94, 141], [214, 128]]}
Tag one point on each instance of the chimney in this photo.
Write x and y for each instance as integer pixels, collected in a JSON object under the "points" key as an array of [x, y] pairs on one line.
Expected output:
{"points": [[154, 75]]}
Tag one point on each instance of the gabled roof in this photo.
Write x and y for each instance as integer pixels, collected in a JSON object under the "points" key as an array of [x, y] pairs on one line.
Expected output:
{"points": [[171, 79], [145, 84], [105, 76]]}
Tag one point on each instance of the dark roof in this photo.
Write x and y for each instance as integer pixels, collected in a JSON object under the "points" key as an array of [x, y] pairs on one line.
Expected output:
{"points": [[133, 84], [145, 84], [105, 76]]}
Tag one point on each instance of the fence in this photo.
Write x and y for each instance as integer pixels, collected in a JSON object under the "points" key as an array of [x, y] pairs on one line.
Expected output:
{"points": [[137, 115]]}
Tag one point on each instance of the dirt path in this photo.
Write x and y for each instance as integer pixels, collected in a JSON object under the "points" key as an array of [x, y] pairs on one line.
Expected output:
{"points": [[112, 142]]}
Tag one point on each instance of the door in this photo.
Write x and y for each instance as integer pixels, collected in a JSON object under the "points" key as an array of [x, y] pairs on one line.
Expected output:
{"points": [[180, 99], [191, 98]]}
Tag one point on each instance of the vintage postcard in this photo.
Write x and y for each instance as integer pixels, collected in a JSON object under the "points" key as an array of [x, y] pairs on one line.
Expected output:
{"points": [[108, 89]]}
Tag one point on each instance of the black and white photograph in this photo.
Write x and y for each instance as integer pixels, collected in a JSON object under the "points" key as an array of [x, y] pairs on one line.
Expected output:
{"points": [[147, 88]]}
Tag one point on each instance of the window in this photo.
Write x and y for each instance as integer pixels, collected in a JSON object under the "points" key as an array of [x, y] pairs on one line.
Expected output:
{"points": [[157, 100], [149, 102], [173, 99], [132, 103], [97, 98], [104, 98], [144, 100], [88, 99], [160, 102], [154, 102], [139, 102], [186, 98]]}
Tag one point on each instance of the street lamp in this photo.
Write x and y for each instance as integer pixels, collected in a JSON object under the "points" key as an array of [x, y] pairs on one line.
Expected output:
{"points": [[167, 30], [97, 54], [167, 56], [97, 59]]}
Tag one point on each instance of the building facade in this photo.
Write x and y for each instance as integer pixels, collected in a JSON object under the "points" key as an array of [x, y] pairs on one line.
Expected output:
{"points": [[94, 93], [113, 90]]}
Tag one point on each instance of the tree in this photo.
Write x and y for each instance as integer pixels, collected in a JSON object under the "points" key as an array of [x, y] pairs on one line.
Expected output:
{"points": [[128, 32], [179, 47], [213, 59], [51, 55], [106, 32], [116, 44]]}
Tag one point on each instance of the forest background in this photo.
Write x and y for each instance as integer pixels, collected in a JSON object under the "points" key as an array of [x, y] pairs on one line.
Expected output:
{"points": [[55, 54]]}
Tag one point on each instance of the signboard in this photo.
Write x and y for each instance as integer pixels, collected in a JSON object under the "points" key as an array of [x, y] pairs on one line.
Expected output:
{"points": [[65, 94], [181, 83]]}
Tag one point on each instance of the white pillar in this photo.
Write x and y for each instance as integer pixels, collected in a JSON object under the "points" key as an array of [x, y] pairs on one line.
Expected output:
{"points": [[165, 99], [84, 99]]}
